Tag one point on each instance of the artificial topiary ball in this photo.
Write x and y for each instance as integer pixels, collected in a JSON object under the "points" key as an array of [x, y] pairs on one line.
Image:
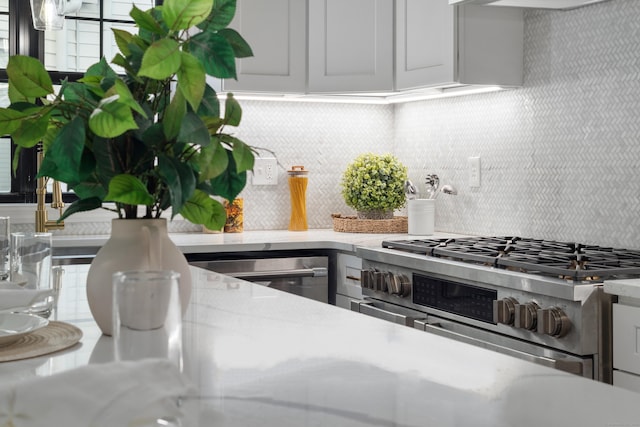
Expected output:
{"points": [[374, 182]]}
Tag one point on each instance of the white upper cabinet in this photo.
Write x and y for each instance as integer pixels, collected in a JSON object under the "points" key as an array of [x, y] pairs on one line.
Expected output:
{"points": [[440, 45], [350, 45], [276, 31], [376, 46]]}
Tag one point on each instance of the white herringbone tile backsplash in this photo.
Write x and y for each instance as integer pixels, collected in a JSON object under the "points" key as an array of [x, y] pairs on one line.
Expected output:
{"points": [[560, 156]]}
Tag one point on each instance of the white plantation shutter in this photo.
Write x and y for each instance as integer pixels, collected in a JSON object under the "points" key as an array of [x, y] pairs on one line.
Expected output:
{"points": [[5, 165], [77, 46]]}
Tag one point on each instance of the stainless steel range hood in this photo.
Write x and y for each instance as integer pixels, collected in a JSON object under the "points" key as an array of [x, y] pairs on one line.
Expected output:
{"points": [[539, 4]]}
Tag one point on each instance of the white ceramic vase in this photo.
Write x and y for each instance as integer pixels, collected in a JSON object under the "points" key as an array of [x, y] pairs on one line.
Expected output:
{"points": [[134, 244]]}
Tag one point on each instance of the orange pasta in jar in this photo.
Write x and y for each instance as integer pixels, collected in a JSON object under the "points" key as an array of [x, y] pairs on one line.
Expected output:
{"points": [[297, 188]]}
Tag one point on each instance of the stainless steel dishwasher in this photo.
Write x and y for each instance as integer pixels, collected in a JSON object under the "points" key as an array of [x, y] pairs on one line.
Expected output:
{"points": [[304, 275]]}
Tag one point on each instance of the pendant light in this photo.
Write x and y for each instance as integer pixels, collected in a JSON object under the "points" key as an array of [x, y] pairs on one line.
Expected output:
{"points": [[48, 15]]}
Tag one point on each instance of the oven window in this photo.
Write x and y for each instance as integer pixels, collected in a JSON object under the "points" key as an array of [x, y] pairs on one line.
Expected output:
{"points": [[458, 298]]}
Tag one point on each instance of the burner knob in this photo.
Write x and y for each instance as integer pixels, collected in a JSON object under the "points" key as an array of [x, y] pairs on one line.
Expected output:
{"points": [[504, 310], [405, 286], [553, 321], [367, 278], [527, 316], [398, 284]]}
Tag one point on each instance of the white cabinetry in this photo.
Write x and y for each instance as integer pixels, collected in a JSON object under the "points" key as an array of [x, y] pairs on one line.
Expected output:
{"points": [[277, 33], [626, 346], [350, 45], [375, 46], [441, 45]]}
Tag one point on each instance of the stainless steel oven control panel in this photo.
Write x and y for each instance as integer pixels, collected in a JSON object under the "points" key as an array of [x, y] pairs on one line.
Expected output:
{"points": [[525, 315]]}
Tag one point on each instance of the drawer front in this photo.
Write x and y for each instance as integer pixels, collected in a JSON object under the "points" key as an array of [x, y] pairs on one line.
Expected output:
{"points": [[348, 280], [626, 380], [626, 338]]}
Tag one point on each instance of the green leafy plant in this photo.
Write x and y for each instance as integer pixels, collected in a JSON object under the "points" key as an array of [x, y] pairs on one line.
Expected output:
{"points": [[374, 182], [154, 136]]}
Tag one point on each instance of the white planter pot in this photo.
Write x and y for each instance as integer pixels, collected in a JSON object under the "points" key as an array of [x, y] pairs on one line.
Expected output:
{"points": [[135, 244]]}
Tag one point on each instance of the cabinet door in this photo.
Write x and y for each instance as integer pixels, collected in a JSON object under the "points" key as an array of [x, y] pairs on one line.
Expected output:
{"points": [[626, 338], [276, 32], [424, 43], [350, 45]]}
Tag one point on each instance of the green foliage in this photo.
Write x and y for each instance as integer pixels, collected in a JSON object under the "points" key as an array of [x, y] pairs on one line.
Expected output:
{"points": [[131, 139], [374, 182]]}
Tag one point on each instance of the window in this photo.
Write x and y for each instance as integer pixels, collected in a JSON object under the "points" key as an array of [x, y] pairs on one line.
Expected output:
{"points": [[86, 37]]}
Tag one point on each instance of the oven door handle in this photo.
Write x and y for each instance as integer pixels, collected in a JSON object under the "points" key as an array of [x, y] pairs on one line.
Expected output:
{"points": [[368, 308], [571, 366], [259, 276]]}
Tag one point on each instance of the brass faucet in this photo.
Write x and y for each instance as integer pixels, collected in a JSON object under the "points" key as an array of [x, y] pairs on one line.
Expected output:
{"points": [[42, 222]]}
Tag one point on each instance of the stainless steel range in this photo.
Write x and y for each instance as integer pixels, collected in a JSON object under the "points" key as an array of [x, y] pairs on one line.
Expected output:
{"points": [[535, 299]]}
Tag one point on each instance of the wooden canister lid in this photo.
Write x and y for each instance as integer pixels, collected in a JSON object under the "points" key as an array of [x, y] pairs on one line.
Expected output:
{"points": [[297, 171]]}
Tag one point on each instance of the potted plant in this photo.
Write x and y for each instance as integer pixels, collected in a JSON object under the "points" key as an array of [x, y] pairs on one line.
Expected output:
{"points": [[373, 184], [153, 137]]}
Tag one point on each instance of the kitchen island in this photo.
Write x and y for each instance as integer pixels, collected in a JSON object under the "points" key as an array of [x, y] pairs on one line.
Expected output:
{"points": [[261, 357]]}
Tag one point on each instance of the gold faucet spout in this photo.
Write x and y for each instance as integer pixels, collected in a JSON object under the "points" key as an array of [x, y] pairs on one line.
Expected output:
{"points": [[42, 222]]}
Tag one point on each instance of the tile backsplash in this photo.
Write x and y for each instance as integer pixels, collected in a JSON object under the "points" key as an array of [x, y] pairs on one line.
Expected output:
{"points": [[560, 156]]}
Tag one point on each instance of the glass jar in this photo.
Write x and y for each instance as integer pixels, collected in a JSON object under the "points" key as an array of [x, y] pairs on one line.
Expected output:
{"points": [[297, 187]]}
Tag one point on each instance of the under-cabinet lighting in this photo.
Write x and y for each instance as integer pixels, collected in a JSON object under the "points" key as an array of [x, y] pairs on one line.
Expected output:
{"points": [[370, 98]]}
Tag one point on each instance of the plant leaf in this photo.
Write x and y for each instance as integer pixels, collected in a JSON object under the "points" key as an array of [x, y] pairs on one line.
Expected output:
{"points": [[173, 115], [221, 15], [102, 69], [28, 76], [179, 178], [123, 39], [241, 48], [90, 189], [129, 190], [62, 160], [183, 14], [232, 111], [126, 97], [111, 118], [215, 53], [193, 130], [210, 105], [10, 120], [229, 183], [30, 132], [202, 209], [161, 60], [192, 79], [242, 155], [81, 206], [212, 161], [146, 21]]}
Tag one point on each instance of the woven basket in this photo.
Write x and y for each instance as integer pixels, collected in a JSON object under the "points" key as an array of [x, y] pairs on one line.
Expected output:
{"points": [[351, 224]]}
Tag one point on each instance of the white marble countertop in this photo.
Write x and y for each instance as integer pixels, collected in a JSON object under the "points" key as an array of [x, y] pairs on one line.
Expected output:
{"points": [[626, 288], [261, 357], [256, 240]]}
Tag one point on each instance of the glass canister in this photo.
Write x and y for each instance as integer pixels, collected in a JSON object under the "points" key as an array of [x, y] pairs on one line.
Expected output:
{"points": [[298, 187]]}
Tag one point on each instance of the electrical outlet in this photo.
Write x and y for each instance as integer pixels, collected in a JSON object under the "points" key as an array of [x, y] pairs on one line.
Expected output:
{"points": [[265, 171], [474, 171]]}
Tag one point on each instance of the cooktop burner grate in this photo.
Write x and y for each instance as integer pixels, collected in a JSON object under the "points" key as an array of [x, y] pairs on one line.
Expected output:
{"points": [[566, 260]]}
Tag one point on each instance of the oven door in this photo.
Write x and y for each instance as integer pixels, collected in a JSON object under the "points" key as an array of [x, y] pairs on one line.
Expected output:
{"points": [[509, 346]]}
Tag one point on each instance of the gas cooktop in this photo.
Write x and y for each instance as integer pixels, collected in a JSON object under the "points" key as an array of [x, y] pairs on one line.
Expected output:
{"points": [[566, 260]]}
